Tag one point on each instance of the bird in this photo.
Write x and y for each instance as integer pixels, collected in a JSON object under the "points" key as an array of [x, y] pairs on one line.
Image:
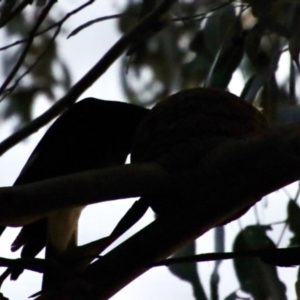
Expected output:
{"points": [[179, 132], [91, 134], [182, 129]]}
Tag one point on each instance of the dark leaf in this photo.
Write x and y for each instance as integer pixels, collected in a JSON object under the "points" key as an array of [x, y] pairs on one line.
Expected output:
{"points": [[218, 27], [92, 22], [6, 8], [294, 41], [272, 24], [66, 76], [293, 220], [225, 63], [251, 88], [253, 38], [2, 297], [147, 7], [261, 281], [40, 2], [268, 13], [226, 47], [20, 103], [38, 74]]}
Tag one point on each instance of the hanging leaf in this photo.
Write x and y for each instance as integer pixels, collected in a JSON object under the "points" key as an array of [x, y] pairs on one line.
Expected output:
{"points": [[38, 74], [220, 28], [6, 9], [253, 39], [294, 41], [251, 88], [225, 45], [197, 69], [293, 221], [258, 279], [152, 29], [268, 13], [225, 63], [40, 2]]}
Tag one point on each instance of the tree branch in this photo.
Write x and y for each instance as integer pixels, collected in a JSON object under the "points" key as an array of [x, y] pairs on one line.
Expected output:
{"points": [[29, 42], [248, 166], [23, 204], [57, 24], [87, 80], [283, 257], [238, 172]]}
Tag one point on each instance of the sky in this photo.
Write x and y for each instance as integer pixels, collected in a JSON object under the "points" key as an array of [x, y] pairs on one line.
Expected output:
{"points": [[80, 53]]}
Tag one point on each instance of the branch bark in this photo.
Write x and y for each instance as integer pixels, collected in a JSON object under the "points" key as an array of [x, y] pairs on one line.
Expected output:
{"points": [[87, 80], [230, 178], [23, 204], [253, 166], [237, 173]]}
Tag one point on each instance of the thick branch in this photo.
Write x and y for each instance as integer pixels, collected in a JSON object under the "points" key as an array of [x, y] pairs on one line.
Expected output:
{"points": [[229, 179], [20, 205], [252, 166]]}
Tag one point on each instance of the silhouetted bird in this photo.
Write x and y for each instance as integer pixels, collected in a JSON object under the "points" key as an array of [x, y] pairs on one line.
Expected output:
{"points": [[183, 129], [92, 134]]}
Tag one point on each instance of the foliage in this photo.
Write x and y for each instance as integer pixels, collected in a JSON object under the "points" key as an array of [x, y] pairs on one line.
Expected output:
{"points": [[205, 44], [40, 73], [196, 43]]}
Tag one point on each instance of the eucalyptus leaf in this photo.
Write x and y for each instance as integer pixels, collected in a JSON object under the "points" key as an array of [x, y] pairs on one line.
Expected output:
{"points": [[259, 280]]}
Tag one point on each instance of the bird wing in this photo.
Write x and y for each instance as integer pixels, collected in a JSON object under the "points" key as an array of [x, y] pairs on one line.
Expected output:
{"points": [[92, 134]]}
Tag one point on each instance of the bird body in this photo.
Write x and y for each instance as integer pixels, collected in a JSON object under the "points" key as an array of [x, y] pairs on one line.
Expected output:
{"points": [[181, 130], [92, 134], [178, 134]]}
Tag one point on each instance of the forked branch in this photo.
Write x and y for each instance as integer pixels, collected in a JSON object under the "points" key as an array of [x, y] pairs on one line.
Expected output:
{"points": [[230, 178]]}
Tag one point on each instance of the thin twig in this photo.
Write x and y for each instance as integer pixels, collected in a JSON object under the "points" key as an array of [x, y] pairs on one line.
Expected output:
{"points": [[260, 253], [21, 58], [91, 22], [87, 80], [109, 17], [59, 23], [203, 15], [12, 88], [15, 12]]}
